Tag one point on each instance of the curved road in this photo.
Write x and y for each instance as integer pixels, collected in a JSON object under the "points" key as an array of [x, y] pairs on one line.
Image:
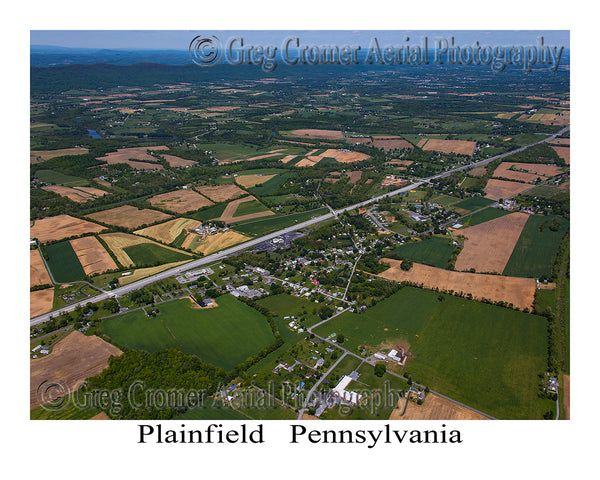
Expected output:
{"points": [[117, 292]]}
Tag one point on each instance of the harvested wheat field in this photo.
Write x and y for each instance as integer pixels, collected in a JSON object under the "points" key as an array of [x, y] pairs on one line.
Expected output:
{"points": [[140, 273], [174, 161], [36, 156], [117, 242], [391, 143], [61, 226], [219, 241], [434, 408], [249, 181], [316, 133], [131, 155], [128, 216], [497, 189], [180, 201], [167, 232], [564, 152], [308, 162], [462, 147], [92, 255], [527, 172], [489, 245], [270, 153], [518, 291], [229, 216], [287, 158], [422, 142], [343, 156], [355, 176], [40, 301], [73, 359], [538, 169], [100, 416], [560, 141], [404, 163], [79, 194], [504, 171], [38, 275], [221, 193]]}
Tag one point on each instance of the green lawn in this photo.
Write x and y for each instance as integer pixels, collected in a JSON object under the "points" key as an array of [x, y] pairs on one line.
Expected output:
{"points": [[270, 224], [63, 262], [445, 200], [434, 251], [485, 356], [474, 203], [223, 336], [151, 254], [483, 216], [536, 248]]}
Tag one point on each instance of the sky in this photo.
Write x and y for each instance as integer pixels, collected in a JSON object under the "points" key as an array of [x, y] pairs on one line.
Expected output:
{"points": [[180, 39]]}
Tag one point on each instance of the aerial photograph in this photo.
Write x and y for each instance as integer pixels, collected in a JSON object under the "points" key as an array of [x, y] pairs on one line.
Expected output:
{"points": [[299, 225]]}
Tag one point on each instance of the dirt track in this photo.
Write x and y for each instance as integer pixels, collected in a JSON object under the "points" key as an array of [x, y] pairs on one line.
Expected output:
{"points": [[518, 291], [73, 359], [489, 245]]}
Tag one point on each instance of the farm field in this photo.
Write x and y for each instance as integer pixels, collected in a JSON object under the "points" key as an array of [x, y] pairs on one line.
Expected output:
{"points": [[223, 336], [38, 274], [174, 161], [168, 231], [284, 304], [497, 189], [317, 133], [272, 186], [179, 201], [213, 243], [61, 226], [52, 176], [153, 254], [536, 248], [246, 208], [210, 213], [485, 356], [73, 359], [527, 172], [564, 152], [264, 226], [63, 263], [518, 291], [434, 251], [37, 156], [76, 194], [92, 255], [221, 193], [128, 216], [462, 147], [40, 301], [473, 203], [248, 181], [434, 408], [489, 245], [483, 216], [131, 156], [118, 242], [140, 273]]}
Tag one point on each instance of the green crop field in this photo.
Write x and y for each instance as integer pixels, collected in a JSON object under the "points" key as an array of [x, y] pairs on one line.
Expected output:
{"points": [[483, 216], [445, 200], [209, 213], [474, 203], [271, 187], [261, 171], [485, 356], [63, 262], [435, 251], [270, 224], [51, 176], [152, 254], [536, 248], [223, 336], [247, 208]]}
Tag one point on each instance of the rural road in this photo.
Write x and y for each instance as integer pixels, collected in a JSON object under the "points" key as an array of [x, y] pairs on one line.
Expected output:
{"points": [[117, 292]]}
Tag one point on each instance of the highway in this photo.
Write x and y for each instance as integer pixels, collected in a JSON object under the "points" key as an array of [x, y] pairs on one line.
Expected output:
{"points": [[117, 292]]}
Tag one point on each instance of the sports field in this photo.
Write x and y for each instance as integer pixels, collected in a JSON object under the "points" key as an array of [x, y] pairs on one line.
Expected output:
{"points": [[63, 263], [434, 251], [223, 336], [484, 356], [536, 248]]}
